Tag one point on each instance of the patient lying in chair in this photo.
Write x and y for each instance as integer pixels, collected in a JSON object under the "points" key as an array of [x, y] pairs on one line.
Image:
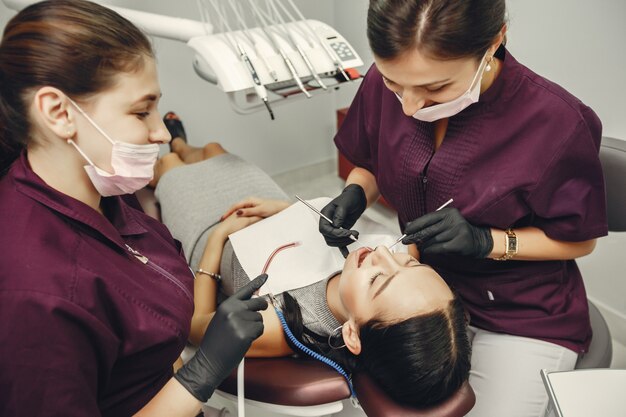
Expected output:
{"points": [[383, 313]]}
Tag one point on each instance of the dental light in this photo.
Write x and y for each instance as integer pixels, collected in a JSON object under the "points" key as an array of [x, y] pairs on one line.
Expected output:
{"points": [[259, 52]]}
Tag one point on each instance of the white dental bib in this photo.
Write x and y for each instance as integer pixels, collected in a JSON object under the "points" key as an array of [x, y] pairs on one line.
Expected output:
{"points": [[307, 263]]}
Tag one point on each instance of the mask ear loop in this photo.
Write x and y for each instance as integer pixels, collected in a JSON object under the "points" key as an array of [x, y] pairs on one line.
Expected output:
{"points": [[71, 142], [94, 124], [330, 336], [479, 73]]}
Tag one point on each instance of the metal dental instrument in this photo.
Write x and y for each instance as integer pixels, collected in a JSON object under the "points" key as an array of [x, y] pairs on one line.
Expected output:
{"points": [[246, 31], [331, 54], [259, 88], [404, 235], [305, 58], [306, 203], [265, 26]]}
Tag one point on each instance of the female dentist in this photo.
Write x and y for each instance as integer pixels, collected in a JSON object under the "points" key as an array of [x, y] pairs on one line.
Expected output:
{"points": [[95, 296], [447, 112]]}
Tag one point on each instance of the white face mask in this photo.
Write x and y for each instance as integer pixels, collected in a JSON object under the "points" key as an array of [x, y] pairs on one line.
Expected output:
{"points": [[450, 108], [133, 165]]}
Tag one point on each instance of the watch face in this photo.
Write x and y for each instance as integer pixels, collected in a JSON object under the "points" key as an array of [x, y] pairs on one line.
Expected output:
{"points": [[512, 245]]}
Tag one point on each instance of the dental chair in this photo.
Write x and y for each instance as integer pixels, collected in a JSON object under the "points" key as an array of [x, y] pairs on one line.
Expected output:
{"points": [[306, 387], [613, 158]]}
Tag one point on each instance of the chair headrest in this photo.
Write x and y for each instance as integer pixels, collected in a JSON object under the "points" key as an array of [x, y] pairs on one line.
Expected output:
{"points": [[613, 158], [376, 403]]}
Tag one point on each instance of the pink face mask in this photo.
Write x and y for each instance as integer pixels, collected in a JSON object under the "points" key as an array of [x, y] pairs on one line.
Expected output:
{"points": [[450, 108], [133, 165]]}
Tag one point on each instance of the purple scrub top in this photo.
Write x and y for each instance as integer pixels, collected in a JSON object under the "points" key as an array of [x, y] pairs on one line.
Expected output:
{"points": [[525, 155], [86, 327]]}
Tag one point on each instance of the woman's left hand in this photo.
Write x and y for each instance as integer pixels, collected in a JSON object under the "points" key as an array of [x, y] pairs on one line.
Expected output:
{"points": [[447, 232], [253, 206]]}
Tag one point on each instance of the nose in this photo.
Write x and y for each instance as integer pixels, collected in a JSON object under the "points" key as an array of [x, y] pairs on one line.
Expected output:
{"points": [[382, 256], [412, 102], [158, 131]]}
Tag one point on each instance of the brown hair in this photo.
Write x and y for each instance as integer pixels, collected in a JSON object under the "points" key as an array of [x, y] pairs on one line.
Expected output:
{"points": [[444, 29], [74, 45]]}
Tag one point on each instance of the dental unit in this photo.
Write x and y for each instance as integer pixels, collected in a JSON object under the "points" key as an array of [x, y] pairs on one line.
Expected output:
{"points": [[260, 54]]}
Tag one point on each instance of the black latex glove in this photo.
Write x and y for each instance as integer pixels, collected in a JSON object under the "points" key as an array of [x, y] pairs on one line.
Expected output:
{"points": [[344, 211], [232, 330], [447, 232]]}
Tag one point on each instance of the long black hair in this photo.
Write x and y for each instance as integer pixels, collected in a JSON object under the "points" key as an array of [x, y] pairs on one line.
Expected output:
{"points": [[420, 361], [445, 29]]}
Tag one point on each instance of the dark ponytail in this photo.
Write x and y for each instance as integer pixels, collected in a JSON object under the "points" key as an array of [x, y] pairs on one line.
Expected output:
{"points": [[76, 46], [419, 362], [317, 342], [443, 29], [11, 143]]}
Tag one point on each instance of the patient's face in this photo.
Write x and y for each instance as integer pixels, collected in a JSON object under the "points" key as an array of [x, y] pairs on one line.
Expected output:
{"points": [[390, 286]]}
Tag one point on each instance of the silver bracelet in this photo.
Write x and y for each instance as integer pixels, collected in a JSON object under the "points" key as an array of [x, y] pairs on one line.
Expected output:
{"points": [[216, 277]]}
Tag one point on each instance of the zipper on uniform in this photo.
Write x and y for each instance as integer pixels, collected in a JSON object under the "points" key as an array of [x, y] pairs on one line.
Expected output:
{"points": [[144, 260], [424, 183]]}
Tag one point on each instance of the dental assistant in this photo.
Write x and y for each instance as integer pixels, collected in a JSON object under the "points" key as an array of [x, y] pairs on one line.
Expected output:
{"points": [[96, 298], [448, 112]]}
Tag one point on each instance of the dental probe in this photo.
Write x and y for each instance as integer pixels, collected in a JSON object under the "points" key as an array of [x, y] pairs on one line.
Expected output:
{"points": [[320, 214], [259, 88], [267, 30], [246, 31], [303, 55], [404, 235]]}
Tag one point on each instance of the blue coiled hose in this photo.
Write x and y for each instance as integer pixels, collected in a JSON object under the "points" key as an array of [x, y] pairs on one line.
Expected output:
{"points": [[316, 355]]}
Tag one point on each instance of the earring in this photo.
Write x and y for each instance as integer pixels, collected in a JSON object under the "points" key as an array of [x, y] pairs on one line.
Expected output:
{"points": [[331, 335], [488, 67]]}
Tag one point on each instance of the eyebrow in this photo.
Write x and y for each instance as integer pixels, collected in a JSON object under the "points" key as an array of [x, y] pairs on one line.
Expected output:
{"points": [[392, 276], [421, 85], [148, 97]]}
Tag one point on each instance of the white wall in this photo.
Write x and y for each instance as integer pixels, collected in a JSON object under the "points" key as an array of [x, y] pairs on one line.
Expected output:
{"points": [[301, 134], [580, 45]]}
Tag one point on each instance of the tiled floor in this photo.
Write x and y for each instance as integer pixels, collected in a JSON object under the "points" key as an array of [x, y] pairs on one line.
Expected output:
{"points": [[321, 180]]}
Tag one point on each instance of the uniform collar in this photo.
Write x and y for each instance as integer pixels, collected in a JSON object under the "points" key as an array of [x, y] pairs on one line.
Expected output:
{"points": [[123, 220], [506, 83]]}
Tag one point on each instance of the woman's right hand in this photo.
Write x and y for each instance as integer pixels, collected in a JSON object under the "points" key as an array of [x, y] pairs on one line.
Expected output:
{"points": [[344, 210], [253, 206], [236, 324]]}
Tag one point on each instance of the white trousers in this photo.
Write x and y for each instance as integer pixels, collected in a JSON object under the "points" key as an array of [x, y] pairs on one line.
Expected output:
{"points": [[505, 373]]}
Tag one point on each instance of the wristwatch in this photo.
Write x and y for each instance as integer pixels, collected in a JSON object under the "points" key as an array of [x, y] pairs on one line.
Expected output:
{"points": [[510, 245]]}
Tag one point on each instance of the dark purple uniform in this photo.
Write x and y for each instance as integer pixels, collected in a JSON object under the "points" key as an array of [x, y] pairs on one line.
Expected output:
{"points": [[87, 327], [525, 155]]}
